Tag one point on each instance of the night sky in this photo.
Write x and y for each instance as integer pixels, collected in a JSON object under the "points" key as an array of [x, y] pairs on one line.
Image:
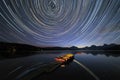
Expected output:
{"points": [[60, 22]]}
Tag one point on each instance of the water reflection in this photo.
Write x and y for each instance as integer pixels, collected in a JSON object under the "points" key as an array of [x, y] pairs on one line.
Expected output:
{"points": [[101, 64], [96, 53], [105, 65], [29, 53]]}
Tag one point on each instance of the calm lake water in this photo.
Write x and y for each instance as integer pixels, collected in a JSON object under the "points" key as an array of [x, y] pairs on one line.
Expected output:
{"points": [[92, 65]]}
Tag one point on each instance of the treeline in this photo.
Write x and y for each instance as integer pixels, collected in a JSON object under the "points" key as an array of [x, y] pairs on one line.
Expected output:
{"points": [[15, 49], [24, 47], [15, 46]]}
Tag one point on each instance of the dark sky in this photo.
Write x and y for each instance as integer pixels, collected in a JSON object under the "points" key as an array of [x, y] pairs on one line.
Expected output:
{"points": [[60, 22]]}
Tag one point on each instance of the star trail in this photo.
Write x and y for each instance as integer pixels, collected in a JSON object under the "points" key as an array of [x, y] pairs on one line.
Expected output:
{"points": [[60, 22]]}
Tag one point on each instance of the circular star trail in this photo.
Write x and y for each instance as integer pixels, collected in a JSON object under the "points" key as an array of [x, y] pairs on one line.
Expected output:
{"points": [[60, 22]]}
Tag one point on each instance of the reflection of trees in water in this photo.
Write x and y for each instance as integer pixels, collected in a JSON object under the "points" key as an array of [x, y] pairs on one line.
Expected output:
{"points": [[12, 54], [106, 53]]}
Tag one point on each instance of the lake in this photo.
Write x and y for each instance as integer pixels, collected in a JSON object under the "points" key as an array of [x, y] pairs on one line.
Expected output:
{"points": [[86, 65]]}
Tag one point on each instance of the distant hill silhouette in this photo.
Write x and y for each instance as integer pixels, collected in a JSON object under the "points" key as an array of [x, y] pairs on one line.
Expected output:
{"points": [[15, 49], [24, 47], [104, 47]]}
